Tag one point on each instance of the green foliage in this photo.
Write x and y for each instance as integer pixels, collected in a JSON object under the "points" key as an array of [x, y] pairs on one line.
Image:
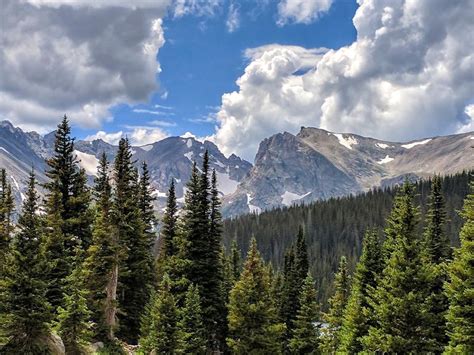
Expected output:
{"points": [[136, 262], [73, 323], [102, 258], [192, 335], [358, 314], [336, 226], [202, 248], [169, 228], [337, 304], [159, 330], [402, 322], [26, 314], [435, 254], [305, 334], [253, 324], [6, 210], [460, 287]]}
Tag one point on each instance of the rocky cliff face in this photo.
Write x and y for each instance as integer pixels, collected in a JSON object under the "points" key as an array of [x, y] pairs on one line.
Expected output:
{"points": [[171, 158], [317, 164], [288, 169]]}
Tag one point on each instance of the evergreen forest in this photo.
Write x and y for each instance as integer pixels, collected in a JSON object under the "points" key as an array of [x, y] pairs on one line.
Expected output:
{"points": [[388, 271]]}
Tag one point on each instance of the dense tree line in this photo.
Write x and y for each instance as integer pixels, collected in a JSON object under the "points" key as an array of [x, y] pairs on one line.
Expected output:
{"points": [[336, 227], [79, 266]]}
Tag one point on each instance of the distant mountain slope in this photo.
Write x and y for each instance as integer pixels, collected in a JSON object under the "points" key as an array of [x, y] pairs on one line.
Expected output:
{"points": [[317, 164], [170, 158]]}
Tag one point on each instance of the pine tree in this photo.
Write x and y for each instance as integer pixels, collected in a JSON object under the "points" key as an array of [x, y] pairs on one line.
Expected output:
{"points": [[359, 313], [81, 220], [53, 248], [170, 222], [6, 210], [337, 304], [67, 182], [398, 301], [202, 243], [160, 328], [301, 258], [291, 290], [101, 263], [192, 335], [253, 324], [460, 286], [146, 204], [74, 319], [236, 263], [305, 334], [27, 312], [435, 253], [136, 267]]}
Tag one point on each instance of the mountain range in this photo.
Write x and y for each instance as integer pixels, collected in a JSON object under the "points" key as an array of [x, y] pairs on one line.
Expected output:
{"points": [[288, 169]]}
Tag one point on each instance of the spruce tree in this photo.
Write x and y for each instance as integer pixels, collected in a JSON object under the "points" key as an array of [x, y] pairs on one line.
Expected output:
{"points": [[53, 248], [305, 333], [402, 324], [145, 202], [435, 253], [101, 263], [337, 304], [460, 286], [136, 264], [202, 243], [69, 183], [290, 293], [27, 313], [170, 224], [160, 330], [301, 258], [6, 210], [74, 323], [358, 315], [191, 333], [253, 323]]}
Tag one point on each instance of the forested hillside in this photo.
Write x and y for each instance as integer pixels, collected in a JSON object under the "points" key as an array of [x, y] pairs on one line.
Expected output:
{"points": [[78, 274], [336, 227]]}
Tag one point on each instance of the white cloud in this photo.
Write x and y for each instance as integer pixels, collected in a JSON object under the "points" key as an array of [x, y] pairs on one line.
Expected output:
{"points": [[408, 75], [151, 112], [196, 7], [76, 57], [233, 18], [301, 11], [138, 136]]}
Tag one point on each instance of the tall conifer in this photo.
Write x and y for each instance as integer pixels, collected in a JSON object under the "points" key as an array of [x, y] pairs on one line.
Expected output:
{"points": [[358, 315], [460, 286], [337, 304], [402, 323], [27, 314], [253, 322]]}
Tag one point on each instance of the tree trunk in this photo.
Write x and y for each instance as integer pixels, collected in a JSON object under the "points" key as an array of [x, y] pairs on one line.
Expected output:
{"points": [[111, 303]]}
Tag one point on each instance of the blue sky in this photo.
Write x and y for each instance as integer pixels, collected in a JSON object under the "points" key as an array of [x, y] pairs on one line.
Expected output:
{"points": [[201, 60]]}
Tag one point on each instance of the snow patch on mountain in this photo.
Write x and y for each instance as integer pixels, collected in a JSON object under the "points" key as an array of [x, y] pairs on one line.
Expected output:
{"points": [[382, 145], [6, 151], [88, 162], [189, 143], [147, 148], [411, 145], [347, 142], [385, 160], [225, 184], [288, 198], [189, 155], [158, 193], [252, 208]]}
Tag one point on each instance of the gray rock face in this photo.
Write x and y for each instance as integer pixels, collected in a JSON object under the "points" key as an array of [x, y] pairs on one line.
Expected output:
{"points": [[317, 164], [171, 158], [289, 169]]}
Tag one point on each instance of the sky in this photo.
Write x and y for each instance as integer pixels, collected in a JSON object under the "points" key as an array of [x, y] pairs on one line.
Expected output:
{"points": [[236, 72]]}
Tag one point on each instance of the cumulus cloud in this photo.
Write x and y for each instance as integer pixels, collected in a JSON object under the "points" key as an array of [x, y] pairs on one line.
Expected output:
{"points": [[301, 11], [409, 74], [78, 57], [137, 136]]}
